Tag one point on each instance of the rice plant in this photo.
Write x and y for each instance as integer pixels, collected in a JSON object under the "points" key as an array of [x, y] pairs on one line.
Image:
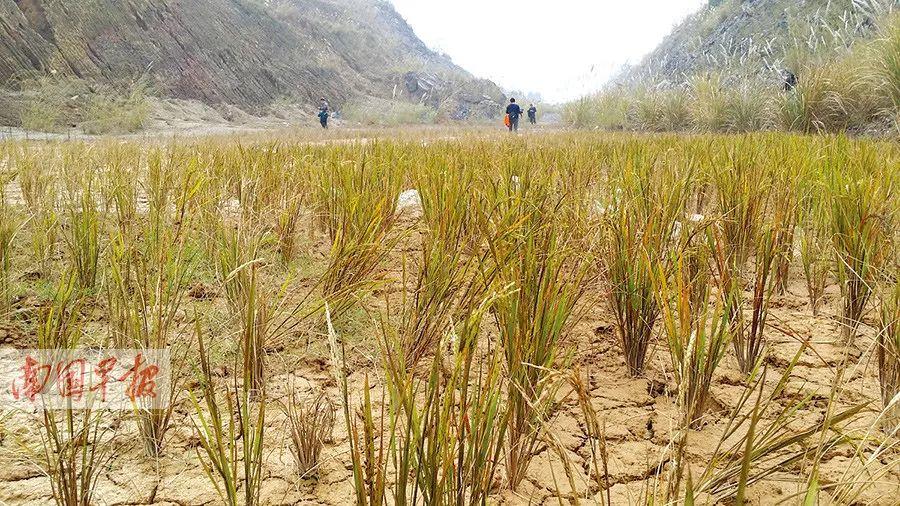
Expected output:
{"points": [[698, 334], [10, 225], [748, 334], [888, 353], [288, 216], [75, 442], [231, 428], [83, 225], [357, 202], [815, 245], [534, 256], [859, 214], [758, 439], [310, 425], [742, 191], [446, 279], [638, 233]]}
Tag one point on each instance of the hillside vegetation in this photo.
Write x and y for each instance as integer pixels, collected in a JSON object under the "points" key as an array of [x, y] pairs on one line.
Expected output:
{"points": [[245, 53], [740, 65]]}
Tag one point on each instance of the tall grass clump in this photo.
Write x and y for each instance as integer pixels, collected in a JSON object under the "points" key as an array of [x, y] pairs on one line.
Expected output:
{"points": [[720, 106], [887, 60], [117, 111], [832, 97], [742, 188], [660, 109], [638, 233], [859, 196], [536, 256], [607, 109]]}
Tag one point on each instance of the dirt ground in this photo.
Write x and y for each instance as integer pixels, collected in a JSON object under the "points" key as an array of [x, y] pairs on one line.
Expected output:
{"points": [[638, 414]]}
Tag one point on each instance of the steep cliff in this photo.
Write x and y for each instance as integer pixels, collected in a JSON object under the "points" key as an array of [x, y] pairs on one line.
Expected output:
{"points": [[248, 53]]}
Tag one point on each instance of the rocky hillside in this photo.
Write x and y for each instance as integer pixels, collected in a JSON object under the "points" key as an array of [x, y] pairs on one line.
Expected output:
{"points": [[760, 38], [246, 53]]}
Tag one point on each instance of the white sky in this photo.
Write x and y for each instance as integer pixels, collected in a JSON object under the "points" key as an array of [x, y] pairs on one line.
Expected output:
{"points": [[560, 48]]}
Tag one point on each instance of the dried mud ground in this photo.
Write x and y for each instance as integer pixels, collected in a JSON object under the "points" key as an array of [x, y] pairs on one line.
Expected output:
{"points": [[638, 414]]}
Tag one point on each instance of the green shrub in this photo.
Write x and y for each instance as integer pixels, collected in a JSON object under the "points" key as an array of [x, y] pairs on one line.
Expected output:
{"points": [[380, 112], [113, 113], [44, 109]]}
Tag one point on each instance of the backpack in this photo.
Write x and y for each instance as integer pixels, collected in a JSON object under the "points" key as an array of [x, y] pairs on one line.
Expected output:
{"points": [[506, 121]]}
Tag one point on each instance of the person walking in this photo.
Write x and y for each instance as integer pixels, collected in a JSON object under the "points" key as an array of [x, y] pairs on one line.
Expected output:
{"points": [[532, 114], [513, 111], [323, 112]]}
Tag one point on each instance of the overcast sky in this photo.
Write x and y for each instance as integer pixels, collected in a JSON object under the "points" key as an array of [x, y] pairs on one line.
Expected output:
{"points": [[559, 48]]}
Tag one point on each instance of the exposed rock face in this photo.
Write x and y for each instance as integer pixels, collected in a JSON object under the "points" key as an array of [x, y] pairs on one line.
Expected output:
{"points": [[242, 52]]}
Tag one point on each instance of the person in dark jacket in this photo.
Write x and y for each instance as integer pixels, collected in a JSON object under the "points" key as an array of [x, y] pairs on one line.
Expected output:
{"points": [[532, 114], [514, 111], [323, 112], [790, 80]]}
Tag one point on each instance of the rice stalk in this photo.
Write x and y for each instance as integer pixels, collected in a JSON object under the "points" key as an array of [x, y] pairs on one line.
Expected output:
{"points": [[888, 353]]}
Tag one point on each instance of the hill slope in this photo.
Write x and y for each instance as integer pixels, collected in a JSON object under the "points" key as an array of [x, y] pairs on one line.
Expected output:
{"points": [[759, 38], [248, 53]]}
